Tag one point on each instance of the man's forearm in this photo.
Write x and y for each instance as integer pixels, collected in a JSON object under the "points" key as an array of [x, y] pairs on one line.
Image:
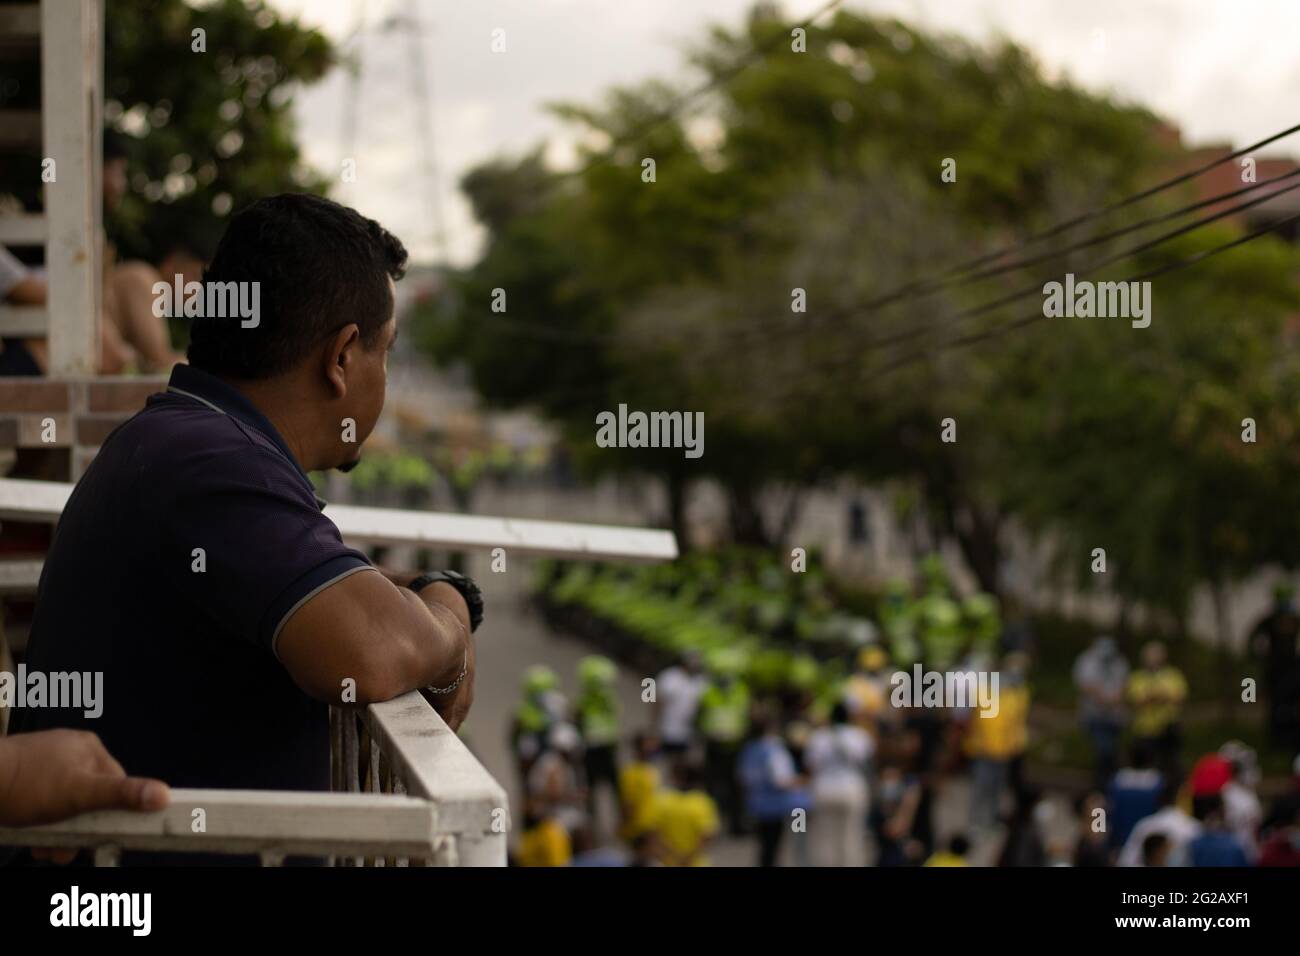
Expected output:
{"points": [[444, 656]]}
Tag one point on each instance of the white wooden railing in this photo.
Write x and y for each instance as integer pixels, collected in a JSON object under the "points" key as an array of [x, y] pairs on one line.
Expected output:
{"points": [[407, 790]]}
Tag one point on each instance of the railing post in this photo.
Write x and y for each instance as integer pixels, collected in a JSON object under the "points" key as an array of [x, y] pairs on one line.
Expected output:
{"points": [[482, 849], [473, 811], [72, 67]]}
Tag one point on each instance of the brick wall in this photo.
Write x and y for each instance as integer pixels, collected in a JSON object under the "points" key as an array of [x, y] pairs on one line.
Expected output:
{"points": [[83, 412]]}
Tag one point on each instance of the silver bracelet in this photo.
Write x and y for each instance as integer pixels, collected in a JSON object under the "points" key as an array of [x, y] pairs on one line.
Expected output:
{"points": [[464, 669]]}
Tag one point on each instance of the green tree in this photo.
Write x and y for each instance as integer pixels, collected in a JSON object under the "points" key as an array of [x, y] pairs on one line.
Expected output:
{"points": [[821, 172], [207, 132]]}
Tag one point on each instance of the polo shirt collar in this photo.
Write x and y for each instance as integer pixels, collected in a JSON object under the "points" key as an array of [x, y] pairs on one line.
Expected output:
{"points": [[211, 391]]}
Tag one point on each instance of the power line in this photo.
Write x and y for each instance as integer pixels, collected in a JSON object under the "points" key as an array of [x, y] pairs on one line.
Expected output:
{"points": [[956, 281], [973, 338], [1094, 266], [835, 314], [1127, 201], [757, 53], [955, 276], [766, 336]]}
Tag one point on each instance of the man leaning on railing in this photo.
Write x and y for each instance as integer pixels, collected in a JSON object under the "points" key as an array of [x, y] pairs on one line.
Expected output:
{"points": [[193, 566]]}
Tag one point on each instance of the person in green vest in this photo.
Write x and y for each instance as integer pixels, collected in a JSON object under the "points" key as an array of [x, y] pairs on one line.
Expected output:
{"points": [[938, 617], [597, 716], [935, 575], [534, 716], [898, 622], [983, 624], [942, 638], [723, 720]]}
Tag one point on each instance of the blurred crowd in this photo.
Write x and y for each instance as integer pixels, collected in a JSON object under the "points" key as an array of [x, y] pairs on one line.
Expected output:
{"points": [[871, 776]]}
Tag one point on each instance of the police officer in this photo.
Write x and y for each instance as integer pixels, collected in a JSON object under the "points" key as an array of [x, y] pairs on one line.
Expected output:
{"points": [[898, 621], [941, 630], [542, 705], [983, 623], [724, 722], [597, 717]]}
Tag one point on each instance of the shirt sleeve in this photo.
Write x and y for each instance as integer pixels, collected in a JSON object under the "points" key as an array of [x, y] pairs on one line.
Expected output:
{"points": [[252, 545]]}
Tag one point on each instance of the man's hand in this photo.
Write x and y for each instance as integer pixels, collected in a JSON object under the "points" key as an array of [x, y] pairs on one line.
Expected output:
{"points": [[52, 775], [452, 707], [455, 706]]}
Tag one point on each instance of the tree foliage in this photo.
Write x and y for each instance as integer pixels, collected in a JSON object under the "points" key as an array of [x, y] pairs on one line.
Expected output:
{"points": [[820, 171], [207, 132]]}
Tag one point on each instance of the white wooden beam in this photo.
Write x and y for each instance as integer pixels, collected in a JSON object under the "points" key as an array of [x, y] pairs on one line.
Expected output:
{"points": [[253, 821], [516, 535], [22, 499], [431, 761], [22, 321], [71, 78], [25, 229], [20, 576], [434, 763]]}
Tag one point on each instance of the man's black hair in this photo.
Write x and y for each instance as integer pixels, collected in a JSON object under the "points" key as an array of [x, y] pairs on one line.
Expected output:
{"points": [[319, 266]]}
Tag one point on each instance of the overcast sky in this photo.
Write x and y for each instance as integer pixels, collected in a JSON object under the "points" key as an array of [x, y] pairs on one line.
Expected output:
{"points": [[1224, 70]]}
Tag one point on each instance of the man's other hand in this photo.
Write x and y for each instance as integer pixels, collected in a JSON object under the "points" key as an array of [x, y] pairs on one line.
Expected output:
{"points": [[52, 775]]}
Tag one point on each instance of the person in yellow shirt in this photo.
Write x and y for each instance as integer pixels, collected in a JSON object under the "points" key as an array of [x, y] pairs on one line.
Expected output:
{"points": [[955, 855], [685, 820], [996, 743], [638, 782], [1157, 693], [545, 843], [866, 692]]}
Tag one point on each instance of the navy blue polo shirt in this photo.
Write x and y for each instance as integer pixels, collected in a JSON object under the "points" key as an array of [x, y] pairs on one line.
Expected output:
{"points": [[187, 544]]}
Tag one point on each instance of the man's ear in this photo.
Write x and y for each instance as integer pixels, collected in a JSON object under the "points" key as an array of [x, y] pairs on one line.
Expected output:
{"points": [[340, 356]]}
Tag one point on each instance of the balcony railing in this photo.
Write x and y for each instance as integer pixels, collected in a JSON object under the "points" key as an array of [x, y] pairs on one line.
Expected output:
{"points": [[24, 500], [407, 791]]}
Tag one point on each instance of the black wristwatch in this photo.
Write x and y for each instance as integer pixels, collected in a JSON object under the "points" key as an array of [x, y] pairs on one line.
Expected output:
{"points": [[467, 588]]}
